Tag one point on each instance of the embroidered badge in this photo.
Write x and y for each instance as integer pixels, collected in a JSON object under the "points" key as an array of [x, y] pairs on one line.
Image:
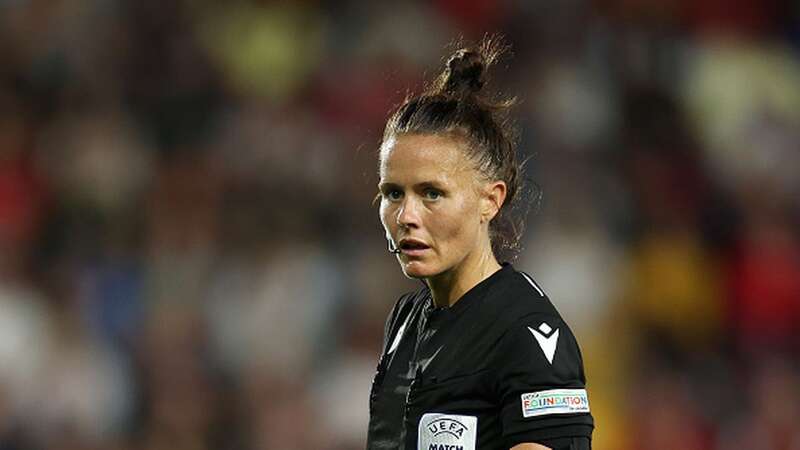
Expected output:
{"points": [[555, 401], [447, 432]]}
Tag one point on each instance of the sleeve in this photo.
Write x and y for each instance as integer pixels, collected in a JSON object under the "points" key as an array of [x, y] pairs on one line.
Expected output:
{"points": [[540, 382]]}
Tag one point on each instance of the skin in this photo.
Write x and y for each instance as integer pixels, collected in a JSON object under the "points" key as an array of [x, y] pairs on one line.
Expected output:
{"points": [[529, 446], [432, 192]]}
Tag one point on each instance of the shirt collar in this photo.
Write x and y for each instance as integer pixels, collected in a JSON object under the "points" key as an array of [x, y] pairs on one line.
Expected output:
{"points": [[468, 298]]}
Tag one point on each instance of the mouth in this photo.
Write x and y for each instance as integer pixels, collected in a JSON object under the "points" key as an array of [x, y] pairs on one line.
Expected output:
{"points": [[413, 247]]}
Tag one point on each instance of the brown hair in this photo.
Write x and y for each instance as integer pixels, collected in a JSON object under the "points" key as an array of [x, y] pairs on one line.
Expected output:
{"points": [[455, 103]]}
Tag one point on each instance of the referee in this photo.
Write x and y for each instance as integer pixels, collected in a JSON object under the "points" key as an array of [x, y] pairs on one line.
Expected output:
{"points": [[478, 358]]}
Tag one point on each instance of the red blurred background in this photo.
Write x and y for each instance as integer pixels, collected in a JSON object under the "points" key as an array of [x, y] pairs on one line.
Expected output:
{"points": [[189, 256]]}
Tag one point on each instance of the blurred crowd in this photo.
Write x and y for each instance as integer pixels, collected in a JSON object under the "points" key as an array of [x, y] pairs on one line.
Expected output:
{"points": [[190, 257]]}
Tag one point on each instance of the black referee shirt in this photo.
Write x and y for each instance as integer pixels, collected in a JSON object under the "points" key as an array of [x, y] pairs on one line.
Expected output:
{"points": [[498, 368]]}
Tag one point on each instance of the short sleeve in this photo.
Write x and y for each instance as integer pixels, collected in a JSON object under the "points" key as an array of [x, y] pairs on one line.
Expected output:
{"points": [[539, 379]]}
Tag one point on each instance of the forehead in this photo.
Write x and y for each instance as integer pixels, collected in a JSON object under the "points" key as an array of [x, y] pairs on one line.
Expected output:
{"points": [[427, 157]]}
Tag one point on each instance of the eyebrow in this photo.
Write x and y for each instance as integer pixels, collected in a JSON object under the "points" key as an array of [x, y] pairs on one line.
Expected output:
{"points": [[430, 184], [424, 184]]}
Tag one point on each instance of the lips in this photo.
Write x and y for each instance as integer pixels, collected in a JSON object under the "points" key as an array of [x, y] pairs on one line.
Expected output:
{"points": [[413, 246]]}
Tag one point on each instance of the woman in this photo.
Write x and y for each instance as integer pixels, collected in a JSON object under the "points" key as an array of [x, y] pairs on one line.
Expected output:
{"points": [[478, 358]]}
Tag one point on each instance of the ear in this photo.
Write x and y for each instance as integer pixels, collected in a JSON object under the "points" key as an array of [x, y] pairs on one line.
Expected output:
{"points": [[492, 198]]}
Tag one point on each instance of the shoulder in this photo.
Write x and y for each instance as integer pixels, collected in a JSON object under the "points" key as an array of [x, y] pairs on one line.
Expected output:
{"points": [[518, 295], [402, 309], [407, 302], [513, 304], [522, 314]]}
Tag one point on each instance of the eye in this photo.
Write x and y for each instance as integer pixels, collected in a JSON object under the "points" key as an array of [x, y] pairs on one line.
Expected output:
{"points": [[393, 194], [432, 194]]}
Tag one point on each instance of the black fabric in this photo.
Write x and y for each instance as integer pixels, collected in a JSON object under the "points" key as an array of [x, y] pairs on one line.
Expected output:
{"points": [[577, 443], [477, 359]]}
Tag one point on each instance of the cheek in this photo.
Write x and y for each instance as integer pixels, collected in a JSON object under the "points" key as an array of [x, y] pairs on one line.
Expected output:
{"points": [[458, 225], [384, 214]]}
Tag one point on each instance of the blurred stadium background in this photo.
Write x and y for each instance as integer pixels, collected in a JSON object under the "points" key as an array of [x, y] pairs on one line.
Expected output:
{"points": [[189, 258]]}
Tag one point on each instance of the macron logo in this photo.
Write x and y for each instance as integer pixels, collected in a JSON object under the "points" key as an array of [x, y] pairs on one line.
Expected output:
{"points": [[547, 341]]}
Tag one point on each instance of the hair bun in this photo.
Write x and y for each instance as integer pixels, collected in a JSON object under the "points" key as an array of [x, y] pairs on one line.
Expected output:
{"points": [[466, 69], [465, 72]]}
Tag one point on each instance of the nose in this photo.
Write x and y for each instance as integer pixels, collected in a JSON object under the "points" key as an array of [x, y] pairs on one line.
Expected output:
{"points": [[408, 213]]}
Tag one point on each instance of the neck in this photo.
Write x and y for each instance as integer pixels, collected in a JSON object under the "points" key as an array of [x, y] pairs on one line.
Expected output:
{"points": [[448, 287]]}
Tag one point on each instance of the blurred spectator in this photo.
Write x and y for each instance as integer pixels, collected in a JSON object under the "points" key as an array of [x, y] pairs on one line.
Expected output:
{"points": [[764, 280]]}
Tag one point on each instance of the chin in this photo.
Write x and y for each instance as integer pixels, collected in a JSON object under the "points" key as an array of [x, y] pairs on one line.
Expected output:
{"points": [[418, 269]]}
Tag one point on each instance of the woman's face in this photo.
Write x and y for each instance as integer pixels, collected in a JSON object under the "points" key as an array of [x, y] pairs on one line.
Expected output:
{"points": [[429, 194]]}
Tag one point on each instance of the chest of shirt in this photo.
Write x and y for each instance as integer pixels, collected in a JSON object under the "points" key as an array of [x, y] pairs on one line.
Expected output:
{"points": [[437, 382]]}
